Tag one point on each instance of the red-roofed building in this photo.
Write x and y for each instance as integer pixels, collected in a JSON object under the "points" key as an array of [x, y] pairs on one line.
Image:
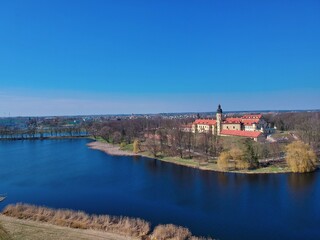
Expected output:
{"points": [[252, 116], [255, 135], [204, 125], [250, 125]]}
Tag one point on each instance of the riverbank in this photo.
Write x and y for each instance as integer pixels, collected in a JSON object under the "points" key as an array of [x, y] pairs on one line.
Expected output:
{"points": [[110, 149], [115, 150], [24, 221], [15, 229]]}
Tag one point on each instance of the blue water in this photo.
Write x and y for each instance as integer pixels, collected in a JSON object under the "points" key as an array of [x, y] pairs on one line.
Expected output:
{"points": [[67, 174]]}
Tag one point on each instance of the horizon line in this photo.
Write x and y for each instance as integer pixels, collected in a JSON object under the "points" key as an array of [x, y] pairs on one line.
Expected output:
{"points": [[132, 114]]}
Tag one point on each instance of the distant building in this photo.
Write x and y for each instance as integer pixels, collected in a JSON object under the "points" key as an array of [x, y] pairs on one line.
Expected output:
{"points": [[251, 126]]}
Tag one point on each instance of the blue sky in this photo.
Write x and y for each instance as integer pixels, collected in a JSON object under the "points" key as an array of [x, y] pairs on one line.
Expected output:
{"points": [[101, 57]]}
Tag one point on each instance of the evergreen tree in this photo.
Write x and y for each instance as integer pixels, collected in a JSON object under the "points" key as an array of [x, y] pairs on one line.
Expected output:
{"points": [[249, 154]]}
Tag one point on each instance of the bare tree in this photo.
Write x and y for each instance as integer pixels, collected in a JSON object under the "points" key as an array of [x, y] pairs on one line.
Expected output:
{"points": [[152, 144], [178, 137]]}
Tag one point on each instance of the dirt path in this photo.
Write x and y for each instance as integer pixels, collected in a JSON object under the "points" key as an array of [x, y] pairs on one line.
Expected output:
{"points": [[29, 230]]}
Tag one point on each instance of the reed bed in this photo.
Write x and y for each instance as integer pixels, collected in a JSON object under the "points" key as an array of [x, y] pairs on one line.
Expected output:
{"points": [[170, 231], [133, 227], [173, 232]]}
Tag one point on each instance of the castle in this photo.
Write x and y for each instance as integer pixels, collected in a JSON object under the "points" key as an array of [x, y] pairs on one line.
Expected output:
{"points": [[250, 126]]}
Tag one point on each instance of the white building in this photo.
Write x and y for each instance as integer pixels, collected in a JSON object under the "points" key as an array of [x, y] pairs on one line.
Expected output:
{"points": [[251, 125]]}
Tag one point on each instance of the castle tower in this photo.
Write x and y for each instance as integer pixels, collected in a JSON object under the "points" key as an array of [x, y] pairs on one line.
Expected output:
{"points": [[219, 119]]}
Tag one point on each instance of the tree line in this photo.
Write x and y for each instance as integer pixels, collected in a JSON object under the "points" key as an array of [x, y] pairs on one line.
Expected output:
{"points": [[305, 124], [167, 137]]}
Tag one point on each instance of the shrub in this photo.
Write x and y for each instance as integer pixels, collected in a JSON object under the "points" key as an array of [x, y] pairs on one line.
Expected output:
{"points": [[170, 231], [122, 144]]}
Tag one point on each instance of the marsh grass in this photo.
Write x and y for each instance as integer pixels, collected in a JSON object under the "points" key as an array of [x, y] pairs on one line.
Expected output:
{"points": [[173, 232], [134, 227], [170, 231]]}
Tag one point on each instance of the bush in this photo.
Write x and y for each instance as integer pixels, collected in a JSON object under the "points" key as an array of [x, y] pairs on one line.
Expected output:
{"points": [[122, 145], [170, 231]]}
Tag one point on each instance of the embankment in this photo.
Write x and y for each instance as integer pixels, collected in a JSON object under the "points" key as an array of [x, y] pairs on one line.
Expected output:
{"points": [[193, 163], [116, 227]]}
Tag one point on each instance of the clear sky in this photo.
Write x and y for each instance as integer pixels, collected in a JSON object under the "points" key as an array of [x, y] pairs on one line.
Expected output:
{"points": [[101, 57]]}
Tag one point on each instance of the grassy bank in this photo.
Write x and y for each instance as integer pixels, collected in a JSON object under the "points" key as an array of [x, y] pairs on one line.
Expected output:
{"points": [[76, 219], [4, 234], [20, 229], [196, 162], [212, 166], [134, 228]]}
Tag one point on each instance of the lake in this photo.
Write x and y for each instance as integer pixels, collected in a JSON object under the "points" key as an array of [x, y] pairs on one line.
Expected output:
{"points": [[67, 174]]}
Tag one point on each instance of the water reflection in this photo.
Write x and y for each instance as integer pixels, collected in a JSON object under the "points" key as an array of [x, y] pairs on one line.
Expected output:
{"points": [[301, 183], [223, 179]]}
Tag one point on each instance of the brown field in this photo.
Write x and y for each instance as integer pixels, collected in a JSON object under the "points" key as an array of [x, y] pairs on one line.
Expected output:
{"points": [[14, 229]]}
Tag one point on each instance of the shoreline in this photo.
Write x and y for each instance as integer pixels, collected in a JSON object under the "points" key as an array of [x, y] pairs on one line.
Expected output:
{"points": [[110, 149], [115, 150], [15, 228], [26, 221]]}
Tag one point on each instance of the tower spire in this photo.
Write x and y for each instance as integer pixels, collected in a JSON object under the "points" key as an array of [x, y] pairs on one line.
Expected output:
{"points": [[219, 110], [219, 119]]}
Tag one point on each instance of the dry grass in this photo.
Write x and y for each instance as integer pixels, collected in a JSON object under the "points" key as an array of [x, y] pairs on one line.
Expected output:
{"points": [[4, 235], [170, 231], [20, 229], [134, 227], [173, 232]]}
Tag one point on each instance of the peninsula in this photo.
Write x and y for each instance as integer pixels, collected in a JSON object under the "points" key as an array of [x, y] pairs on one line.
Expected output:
{"points": [[249, 143]]}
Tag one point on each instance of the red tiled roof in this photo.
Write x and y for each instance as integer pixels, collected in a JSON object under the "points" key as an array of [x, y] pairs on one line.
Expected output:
{"points": [[251, 134], [249, 121], [232, 120], [252, 116], [205, 121]]}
